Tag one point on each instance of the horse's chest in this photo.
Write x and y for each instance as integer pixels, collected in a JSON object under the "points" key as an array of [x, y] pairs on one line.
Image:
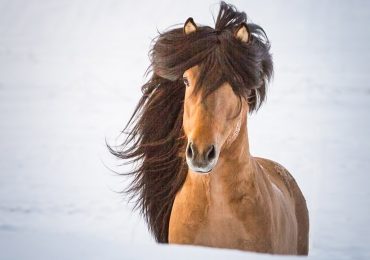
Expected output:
{"points": [[221, 228], [218, 220]]}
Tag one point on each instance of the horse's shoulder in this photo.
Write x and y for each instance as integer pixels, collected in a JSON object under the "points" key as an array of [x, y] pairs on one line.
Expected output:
{"points": [[277, 171], [280, 172]]}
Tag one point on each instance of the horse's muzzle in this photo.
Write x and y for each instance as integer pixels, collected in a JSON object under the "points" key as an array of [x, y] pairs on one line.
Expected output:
{"points": [[201, 161]]}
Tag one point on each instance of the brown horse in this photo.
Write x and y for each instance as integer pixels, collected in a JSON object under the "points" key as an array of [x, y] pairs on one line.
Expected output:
{"points": [[196, 181]]}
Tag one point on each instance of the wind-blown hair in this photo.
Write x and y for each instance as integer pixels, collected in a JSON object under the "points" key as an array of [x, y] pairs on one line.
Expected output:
{"points": [[155, 140]]}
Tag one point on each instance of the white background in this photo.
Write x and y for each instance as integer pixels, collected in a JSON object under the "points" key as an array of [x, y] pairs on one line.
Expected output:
{"points": [[70, 76]]}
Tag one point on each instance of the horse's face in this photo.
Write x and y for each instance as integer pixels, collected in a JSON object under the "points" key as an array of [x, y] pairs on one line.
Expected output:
{"points": [[210, 123]]}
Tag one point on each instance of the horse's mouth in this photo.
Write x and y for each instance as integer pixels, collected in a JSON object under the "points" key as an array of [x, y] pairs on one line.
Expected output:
{"points": [[201, 169]]}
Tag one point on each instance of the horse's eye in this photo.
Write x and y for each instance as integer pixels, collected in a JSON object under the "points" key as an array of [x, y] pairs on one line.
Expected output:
{"points": [[186, 81]]}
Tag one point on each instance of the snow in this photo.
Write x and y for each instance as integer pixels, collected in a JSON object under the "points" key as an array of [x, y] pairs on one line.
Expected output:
{"points": [[70, 76]]}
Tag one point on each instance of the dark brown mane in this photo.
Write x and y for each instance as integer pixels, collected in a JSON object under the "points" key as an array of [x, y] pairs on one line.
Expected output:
{"points": [[154, 133]]}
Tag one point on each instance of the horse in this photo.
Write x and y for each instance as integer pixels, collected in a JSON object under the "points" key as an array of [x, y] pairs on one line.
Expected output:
{"points": [[195, 180]]}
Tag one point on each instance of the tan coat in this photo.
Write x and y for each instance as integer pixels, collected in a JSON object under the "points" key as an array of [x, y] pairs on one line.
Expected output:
{"points": [[245, 203]]}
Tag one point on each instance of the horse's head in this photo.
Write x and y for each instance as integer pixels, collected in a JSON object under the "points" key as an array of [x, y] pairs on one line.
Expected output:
{"points": [[213, 109], [210, 122], [225, 72]]}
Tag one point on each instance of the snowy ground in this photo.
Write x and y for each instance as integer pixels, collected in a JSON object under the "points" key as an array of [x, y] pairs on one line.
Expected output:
{"points": [[70, 73]]}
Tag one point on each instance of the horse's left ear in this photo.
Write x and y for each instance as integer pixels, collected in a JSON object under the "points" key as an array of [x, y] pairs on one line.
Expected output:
{"points": [[189, 26], [242, 33]]}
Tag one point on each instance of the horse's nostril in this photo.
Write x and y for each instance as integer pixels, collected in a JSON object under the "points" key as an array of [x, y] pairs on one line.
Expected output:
{"points": [[189, 151], [211, 154]]}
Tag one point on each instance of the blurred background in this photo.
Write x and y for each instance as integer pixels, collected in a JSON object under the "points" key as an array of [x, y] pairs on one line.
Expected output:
{"points": [[70, 76]]}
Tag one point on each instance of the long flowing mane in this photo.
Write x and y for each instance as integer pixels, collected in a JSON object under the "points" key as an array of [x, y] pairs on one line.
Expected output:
{"points": [[154, 137]]}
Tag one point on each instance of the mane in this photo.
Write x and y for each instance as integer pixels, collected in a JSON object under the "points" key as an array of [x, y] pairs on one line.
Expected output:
{"points": [[154, 137]]}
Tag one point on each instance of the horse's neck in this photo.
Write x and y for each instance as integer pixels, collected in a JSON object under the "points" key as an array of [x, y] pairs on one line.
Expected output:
{"points": [[236, 166], [237, 173]]}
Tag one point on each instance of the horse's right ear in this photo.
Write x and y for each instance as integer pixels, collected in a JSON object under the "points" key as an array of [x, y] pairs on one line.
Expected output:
{"points": [[242, 33], [189, 26]]}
